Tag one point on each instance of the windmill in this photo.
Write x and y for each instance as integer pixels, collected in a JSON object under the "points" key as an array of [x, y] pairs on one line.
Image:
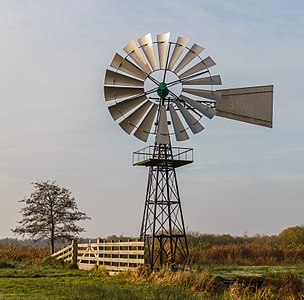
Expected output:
{"points": [[163, 89]]}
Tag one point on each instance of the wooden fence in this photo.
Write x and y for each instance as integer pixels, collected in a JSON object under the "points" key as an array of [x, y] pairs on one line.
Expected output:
{"points": [[113, 256]]}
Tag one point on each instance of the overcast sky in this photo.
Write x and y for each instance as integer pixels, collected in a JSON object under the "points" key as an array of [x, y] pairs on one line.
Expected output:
{"points": [[54, 123]]}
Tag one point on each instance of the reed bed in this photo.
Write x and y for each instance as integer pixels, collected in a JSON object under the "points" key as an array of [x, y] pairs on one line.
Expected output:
{"points": [[247, 254], [20, 254]]}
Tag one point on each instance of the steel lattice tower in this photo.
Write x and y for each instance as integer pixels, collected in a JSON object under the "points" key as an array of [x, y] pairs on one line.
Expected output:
{"points": [[163, 228]]}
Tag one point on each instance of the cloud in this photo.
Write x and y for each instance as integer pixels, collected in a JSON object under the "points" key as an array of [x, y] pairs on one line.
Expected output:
{"points": [[54, 123]]}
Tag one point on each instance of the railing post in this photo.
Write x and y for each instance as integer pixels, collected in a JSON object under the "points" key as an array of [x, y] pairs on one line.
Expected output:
{"points": [[75, 252]]}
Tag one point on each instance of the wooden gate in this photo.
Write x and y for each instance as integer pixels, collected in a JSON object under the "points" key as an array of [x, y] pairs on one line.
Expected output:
{"points": [[113, 256]]}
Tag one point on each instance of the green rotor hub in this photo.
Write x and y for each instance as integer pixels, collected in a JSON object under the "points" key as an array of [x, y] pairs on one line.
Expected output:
{"points": [[162, 91]]}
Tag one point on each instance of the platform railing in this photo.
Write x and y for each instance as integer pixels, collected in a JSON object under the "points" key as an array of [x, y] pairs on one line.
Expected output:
{"points": [[147, 153]]}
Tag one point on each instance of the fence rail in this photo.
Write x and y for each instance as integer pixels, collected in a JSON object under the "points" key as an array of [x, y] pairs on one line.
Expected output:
{"points": [[113, 256], [66, 253]]}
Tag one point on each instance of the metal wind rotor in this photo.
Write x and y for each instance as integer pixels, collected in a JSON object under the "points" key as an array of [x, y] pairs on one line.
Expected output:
{"points": [[165, 88]]}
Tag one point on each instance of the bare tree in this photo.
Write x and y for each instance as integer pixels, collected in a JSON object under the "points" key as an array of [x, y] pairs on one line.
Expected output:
{"points": [[50, 213]]}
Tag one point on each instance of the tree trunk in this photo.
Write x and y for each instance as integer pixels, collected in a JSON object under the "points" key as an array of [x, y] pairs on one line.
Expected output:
{"points": [[52, 239], [52, 229], [52, 248]]}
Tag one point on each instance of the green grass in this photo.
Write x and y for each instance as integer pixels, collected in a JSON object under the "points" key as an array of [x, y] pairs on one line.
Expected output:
{"points": [[25, 271], [84, 288], [39, 283], [232, 272]]}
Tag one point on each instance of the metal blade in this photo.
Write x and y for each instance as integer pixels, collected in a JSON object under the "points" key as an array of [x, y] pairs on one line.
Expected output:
{"points": [[211, 80], [143, 131], [194, 125], [131, 121], [213, 95], [132, 50], [178, 50], [114, 78], [115, 92], [124, 65], [163, 45], [203, 65], [121, 108], [179, 129], [201, 107], [251, 105], [191, 54], [162, 135], [147, 46]]}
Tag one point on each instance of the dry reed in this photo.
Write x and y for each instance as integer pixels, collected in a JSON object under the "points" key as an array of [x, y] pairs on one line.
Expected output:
{"points": [[247, 254], [22, 254]]}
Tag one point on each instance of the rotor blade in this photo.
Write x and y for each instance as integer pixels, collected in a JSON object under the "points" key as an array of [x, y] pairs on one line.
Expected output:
{"points": [[119, 109], [179, 129], [194, 125], [162, 135], [114, 78], [115, 92], [126, 66], [147, 46], [207, 63], [206, 110], [191, 54], [131, 121], [132, 50], [178, 50], [213, 95], [211, 80], [143, 131], [251, 105], [163, 45]]}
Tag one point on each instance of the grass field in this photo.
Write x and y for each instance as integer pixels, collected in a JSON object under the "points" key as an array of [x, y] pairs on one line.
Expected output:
{"points": [[234, 272], [223, 267], [36, 282], [32, 282]]}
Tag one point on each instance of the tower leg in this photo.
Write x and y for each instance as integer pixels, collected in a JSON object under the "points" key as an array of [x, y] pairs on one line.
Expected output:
{"points": [[163, 228]]}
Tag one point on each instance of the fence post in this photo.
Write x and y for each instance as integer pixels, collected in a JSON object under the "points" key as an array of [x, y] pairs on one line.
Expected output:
{"points": [[75, 252], [98, 251]]}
